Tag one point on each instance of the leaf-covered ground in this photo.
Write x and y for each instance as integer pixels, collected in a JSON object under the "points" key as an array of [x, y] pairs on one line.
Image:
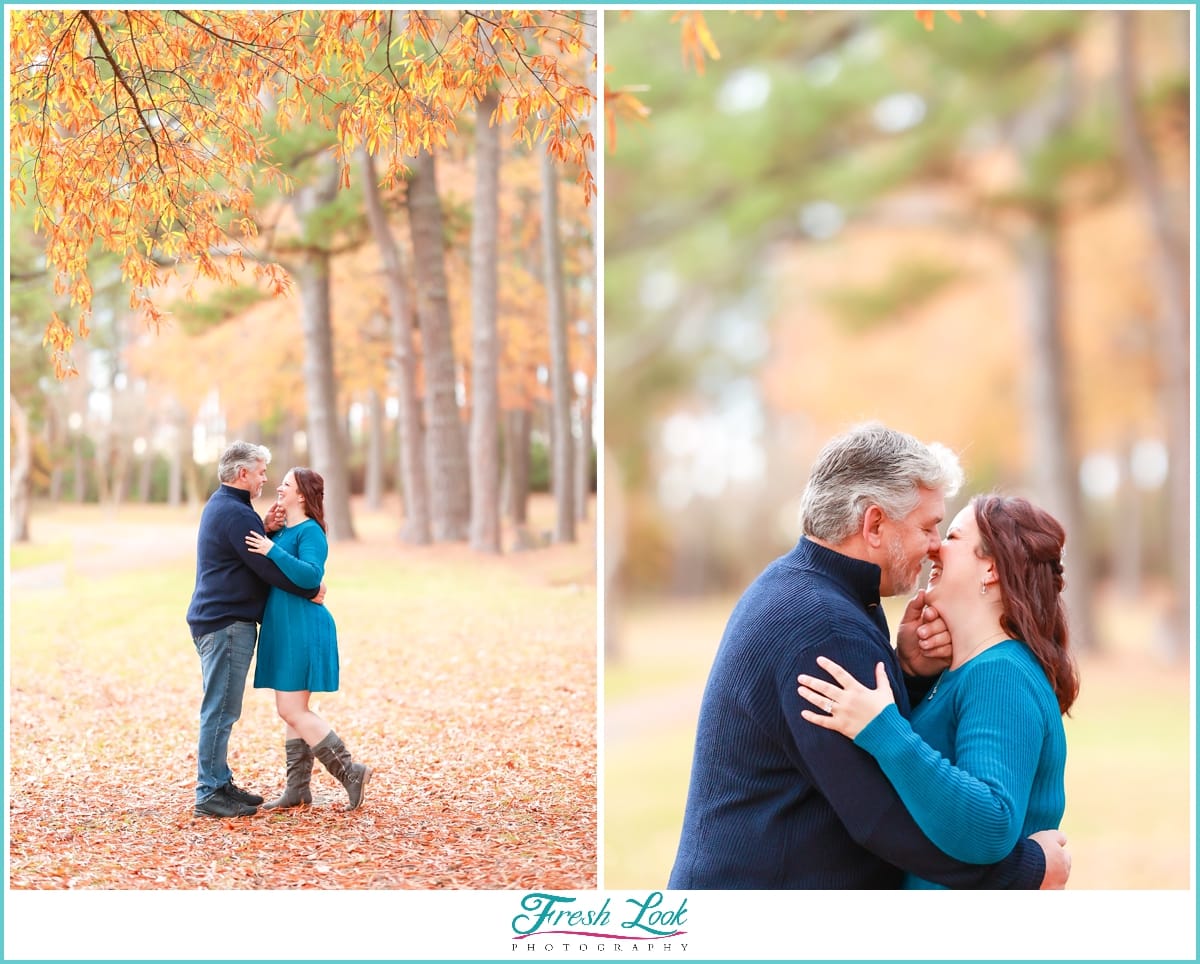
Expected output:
{"points": [[468, 685]]}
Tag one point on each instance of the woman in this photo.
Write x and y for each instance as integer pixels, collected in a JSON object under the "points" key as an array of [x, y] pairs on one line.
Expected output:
{"points": [[980, 762], [297, 645]]}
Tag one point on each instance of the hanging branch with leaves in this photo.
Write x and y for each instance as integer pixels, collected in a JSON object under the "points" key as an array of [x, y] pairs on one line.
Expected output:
{"points": [[141, 130]]}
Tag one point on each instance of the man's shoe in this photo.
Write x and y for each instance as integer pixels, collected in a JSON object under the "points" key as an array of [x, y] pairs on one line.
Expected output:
{"points": [[241, 796], [220, 805]]}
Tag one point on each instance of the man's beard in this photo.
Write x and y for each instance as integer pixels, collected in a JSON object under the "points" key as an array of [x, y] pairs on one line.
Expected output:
{"points": [[904, 575]]}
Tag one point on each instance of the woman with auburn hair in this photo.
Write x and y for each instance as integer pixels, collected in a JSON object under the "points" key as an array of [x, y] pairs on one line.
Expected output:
{"points": [[980, 762], [297, 645]]}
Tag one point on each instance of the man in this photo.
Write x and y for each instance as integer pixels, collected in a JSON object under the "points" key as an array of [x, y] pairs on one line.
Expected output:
{"points": [[226, 608], [776, 802]]}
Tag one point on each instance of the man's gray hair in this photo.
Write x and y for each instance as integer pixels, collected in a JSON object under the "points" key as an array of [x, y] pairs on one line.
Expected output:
{"points": [[872, 465], [241, 455]]}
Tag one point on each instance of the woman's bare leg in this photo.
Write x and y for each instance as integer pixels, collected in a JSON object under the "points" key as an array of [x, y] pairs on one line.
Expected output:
{"points": [[301, 721]]}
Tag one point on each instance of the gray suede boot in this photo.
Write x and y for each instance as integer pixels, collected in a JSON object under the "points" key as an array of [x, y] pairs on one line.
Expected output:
{"points": [[332, 752], [299, 772]]}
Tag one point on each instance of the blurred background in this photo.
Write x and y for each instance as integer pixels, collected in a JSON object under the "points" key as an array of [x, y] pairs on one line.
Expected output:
{"points": [[974, 229]]}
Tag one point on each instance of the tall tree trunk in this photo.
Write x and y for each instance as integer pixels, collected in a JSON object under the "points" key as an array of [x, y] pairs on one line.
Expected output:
{"points": [[583, 456], [52, 433], [446, 451], [517, 438], [80, 464], [1127, 555], [101, 456], [181, 450], [560, 368], [411, 479], [1174, 352], [283, 448], [373, 481], [614, 530], [485, 348], [145, 482], [1055, 453], [120, 469], [21, 474], [326, 444], [196, 490]]}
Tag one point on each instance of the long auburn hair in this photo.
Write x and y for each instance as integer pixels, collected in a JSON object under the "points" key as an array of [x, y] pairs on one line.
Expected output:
{"points": [[1027, 544], [310, 485]]}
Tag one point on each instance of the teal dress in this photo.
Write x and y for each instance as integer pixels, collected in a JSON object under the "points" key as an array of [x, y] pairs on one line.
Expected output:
{"points": [[980, 761], [297, 645]]}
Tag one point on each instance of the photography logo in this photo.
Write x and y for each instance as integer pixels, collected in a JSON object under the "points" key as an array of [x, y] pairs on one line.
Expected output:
{"points": [[554, 922]]}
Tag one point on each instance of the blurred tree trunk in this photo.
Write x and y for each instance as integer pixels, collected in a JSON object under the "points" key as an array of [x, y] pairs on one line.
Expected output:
{"points": [[561, 444], [101, 455], [53, 435], [613, 492], [446, 451], [518, 437], [485, 350], [1128, 537], [1170, 282], [122, 449], [283, 449], [180, 449], [327, 447], [373, 480], [145, 482], [1055, 456], [79, 466], [21, 474], [583, 457], [410, 479], [195, 490]]}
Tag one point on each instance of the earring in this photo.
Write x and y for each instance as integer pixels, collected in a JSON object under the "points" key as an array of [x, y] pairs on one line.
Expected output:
{"points": [[983, 589]]}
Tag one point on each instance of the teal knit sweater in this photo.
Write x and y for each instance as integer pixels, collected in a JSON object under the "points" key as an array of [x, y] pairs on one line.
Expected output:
{"points": [[979, 764]]}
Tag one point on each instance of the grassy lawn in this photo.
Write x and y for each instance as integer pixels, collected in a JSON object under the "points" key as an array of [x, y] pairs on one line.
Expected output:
{"points": [[1128, 768], [26, 556]]}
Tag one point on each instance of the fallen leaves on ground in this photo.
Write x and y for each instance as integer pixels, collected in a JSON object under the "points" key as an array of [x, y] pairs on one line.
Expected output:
{"points": [[468, 686]]}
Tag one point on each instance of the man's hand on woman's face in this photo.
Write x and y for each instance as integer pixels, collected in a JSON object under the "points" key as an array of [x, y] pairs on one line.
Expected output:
{"points": [[275, 518], [923, 641]]}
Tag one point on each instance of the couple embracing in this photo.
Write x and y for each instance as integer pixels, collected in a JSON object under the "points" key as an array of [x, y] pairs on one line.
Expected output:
{"points": [[826, 758], [244, 578]]}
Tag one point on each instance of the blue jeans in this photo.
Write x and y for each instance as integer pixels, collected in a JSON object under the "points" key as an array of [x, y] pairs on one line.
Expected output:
{"points": [[224, 662]]}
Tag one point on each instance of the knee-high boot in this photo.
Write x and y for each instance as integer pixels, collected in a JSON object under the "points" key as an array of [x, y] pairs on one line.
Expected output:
{"points": [[332, 752], [299, 772]]}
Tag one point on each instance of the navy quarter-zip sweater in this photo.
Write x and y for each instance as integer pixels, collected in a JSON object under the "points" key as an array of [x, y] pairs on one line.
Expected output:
{"points": [[778, 802], [231, 581]]}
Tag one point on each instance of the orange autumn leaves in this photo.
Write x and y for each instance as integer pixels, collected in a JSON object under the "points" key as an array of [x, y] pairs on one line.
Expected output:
{"points": [[926, 16], [141, 131]]}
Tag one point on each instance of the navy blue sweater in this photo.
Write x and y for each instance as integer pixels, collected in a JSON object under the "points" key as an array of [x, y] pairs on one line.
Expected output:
{"points": [[777, 802], [231, 581]]}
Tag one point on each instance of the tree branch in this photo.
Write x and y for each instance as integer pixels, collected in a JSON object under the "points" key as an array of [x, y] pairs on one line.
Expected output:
{"points": [[119, 76]]}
